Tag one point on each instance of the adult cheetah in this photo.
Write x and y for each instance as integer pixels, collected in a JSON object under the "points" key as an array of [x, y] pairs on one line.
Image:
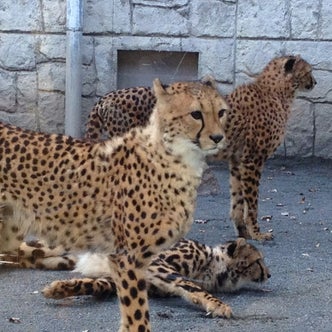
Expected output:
{"points": [[126, 198], [255, 128]]}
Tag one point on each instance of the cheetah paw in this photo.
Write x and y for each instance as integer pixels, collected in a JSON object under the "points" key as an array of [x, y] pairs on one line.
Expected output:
{"points": [[54, 291], [219, 310], [262, 236]]}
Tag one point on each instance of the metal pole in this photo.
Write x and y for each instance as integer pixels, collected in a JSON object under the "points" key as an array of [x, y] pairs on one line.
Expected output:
{"points": [[73, 97]]}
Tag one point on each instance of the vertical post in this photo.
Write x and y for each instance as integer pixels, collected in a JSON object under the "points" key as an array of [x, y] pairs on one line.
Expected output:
{"points": [[73, 102]]}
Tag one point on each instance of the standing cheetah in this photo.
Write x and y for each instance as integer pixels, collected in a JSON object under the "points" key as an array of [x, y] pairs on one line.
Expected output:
{"points": [[255, 128], [126, 198]]}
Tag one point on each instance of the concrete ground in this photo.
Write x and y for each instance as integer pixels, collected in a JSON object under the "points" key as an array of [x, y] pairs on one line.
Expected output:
{"points": [[295, 202]]}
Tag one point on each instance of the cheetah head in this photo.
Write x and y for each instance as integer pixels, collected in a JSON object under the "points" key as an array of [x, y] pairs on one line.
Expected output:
{"points": [[245, 264], [191, 117], [300, 71]]}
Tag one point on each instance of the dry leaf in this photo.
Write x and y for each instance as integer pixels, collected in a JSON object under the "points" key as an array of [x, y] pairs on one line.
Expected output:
{"points": [[201, 221]]}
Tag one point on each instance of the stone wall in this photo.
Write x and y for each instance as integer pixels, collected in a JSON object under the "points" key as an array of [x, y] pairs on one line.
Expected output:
{"points": [[234, 39]]}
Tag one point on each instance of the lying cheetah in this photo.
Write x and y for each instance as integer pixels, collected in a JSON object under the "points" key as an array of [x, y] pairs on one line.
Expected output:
{"points": [[126, 198], [255, 128], [189, 269]]}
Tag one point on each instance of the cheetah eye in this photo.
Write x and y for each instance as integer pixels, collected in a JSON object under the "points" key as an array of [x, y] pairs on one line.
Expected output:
{"points": [[221, 113], [197, 115]]}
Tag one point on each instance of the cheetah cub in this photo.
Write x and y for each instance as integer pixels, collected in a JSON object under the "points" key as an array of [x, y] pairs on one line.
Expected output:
{"points": [[188, 269], [125, 199]]}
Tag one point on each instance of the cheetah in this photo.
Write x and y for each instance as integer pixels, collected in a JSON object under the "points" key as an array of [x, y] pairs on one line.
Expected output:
{"points": [[188, 269], [255, 128], [121, 110], [126, 198]]}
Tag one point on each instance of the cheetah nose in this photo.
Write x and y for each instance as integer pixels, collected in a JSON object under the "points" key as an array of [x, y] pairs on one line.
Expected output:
{"points": [[216, 138]]}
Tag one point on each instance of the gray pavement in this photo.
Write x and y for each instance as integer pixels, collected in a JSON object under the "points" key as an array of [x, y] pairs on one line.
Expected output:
{"points": [[295, 194]]}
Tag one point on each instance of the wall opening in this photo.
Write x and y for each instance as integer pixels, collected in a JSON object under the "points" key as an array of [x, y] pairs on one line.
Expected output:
{"points": [[140, 68]]}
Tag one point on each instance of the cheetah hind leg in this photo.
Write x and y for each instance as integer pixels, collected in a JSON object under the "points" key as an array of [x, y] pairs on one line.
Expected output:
{"points": [[37, 254], [99, 287], [237, 201]]}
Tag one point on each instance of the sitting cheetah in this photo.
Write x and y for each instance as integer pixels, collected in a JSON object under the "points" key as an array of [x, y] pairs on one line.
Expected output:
{"points": [[189, 269], [255, 128], [126, 198]]}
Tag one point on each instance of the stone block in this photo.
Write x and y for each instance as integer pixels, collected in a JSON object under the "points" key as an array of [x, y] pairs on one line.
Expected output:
{"points": [[54, 15], [323, 90], [7, 91], [304, 19], [97, 16], [253, 55], [89, 81], [213, 18], [323, 126], [52, 76], [150, 20], [22, 120], [318, 54], [299, 140], [20, 15], [326, 20], [88, 50], [107, 16], [261, 18], [17, 51], [106, 63], [87, 105], [27, 91], [51, 47], [215, 57], [122, 12], [51, 107]]}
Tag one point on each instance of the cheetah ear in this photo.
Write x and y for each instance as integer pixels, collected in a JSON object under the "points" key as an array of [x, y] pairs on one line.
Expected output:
{"points": [[209, 81], [234, 246], [231, 249], [158, 88], [289, 65]]}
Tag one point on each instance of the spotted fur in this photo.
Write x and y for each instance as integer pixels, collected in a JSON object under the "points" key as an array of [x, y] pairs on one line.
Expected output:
{"points": [[189, 269], [255, 128], [126, 198]]}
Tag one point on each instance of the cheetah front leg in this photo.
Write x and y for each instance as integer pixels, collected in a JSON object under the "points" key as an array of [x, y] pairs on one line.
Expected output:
{"points": [[250, 178], [172, 283], [132, 293]]}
